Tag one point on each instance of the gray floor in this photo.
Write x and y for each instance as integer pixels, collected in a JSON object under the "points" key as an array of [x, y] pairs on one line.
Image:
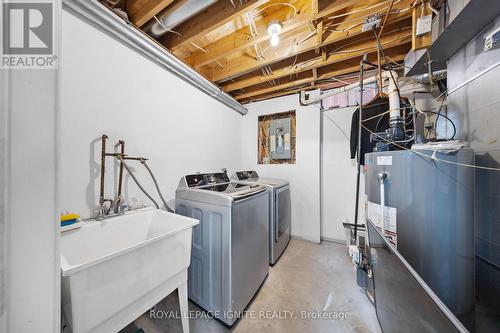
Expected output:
{"points": [[308, 277]]}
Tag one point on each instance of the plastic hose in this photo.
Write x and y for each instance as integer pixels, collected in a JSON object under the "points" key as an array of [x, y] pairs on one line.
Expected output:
{"points": [[156, 185], [138, 184]]}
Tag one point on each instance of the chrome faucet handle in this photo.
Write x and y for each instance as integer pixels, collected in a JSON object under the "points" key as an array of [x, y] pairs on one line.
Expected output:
{"points": [[121, 205], [117, 206], [113, 205], [100, 211]]}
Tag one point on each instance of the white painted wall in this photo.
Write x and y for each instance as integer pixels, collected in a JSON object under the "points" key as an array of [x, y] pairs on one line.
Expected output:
{"points": [[339, 175], [30, 274], [304, 175], [109, 88]]}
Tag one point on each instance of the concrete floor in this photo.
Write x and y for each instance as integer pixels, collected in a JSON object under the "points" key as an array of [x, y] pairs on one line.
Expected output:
{"points": [[308, 277]]}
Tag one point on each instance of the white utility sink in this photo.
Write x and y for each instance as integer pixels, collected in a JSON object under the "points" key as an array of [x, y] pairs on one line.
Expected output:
{"points": [[116, 269]]}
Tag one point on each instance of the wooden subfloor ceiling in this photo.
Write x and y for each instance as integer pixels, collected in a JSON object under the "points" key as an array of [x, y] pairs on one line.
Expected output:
{"points": [[320, 42]]}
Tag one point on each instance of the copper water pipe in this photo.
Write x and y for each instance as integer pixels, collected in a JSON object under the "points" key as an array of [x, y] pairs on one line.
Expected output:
{"points": [[120, 178], [125, 157], [103, 167], [121, 156]]}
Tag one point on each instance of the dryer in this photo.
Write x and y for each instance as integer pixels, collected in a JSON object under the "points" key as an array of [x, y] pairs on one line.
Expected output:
{"points": [[279, 212], [230, 247]]}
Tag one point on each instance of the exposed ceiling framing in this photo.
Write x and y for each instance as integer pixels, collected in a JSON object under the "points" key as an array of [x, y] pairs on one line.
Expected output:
{"points": [[321, 40]]}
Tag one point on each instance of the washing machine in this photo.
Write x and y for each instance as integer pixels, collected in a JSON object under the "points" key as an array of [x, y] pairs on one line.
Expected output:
{"points": [[279, 212], [230, 247]]}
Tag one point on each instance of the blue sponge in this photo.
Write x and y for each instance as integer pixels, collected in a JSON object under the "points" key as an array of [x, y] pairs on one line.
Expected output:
{"points": [[69, 222]]}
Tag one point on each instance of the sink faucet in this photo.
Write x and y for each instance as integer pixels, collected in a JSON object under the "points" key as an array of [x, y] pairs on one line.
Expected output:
{"points": [[118, 205]]}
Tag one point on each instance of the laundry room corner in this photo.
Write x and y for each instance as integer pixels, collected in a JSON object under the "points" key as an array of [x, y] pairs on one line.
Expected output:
{"points": [[305, 190]]}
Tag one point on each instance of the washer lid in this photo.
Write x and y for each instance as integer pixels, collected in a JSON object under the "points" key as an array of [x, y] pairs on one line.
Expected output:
{"points": [[235, 190], [251, 177], [274, 182]]}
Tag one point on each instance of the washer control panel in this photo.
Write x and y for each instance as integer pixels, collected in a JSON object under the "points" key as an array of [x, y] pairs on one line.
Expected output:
{"points": [[201, 179], [244, 175]]}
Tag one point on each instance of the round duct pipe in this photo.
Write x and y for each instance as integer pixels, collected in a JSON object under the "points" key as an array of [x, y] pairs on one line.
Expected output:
{"points": [[174, 15]]}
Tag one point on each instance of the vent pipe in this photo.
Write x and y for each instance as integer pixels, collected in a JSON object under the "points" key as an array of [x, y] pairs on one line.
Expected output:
{"points": [[174, 15]]}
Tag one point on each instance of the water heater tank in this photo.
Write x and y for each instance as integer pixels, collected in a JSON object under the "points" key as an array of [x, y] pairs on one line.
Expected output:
{"points": [[429, 218]]}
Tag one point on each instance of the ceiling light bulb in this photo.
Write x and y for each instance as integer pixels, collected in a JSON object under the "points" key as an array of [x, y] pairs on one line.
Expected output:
{"points": [[275, 40], [274, 27]]}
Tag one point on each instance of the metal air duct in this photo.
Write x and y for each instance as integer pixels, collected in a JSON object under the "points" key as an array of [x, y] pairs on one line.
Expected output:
{"points": [[174, 15]]}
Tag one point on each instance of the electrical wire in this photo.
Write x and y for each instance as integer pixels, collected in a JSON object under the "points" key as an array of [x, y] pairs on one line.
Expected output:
{"points": [[440, 108], [198, 47], [402, 108], [346, 29], [447, 118], [432, 8], [251, 25], [368, 47], [164, 27], [295, 10], [396, 63], [370, 38], [378, 122], [362, 9], [385, 19], [307, 63], [386, 62], [363, 19], [432, 158], [385, 112]]}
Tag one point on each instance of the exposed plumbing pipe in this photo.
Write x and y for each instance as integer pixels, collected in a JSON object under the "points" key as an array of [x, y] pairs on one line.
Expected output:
{"points": [[338, 90], [394, 102], [110, 23], [174, 15]]}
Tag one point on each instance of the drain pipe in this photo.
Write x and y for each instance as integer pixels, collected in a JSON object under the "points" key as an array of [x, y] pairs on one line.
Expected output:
{"points": [[336, 91], [393, 93], [101, 17]]}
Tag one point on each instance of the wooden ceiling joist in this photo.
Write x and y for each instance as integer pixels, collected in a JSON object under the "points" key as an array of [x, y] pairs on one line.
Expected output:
{"points": [[389, 40], [396, 54], [353, 65], [329, 7], [276, 94], [207, 21], [241, 39], [279, 87], [146, 12], [248, 63], [228, 42]]}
